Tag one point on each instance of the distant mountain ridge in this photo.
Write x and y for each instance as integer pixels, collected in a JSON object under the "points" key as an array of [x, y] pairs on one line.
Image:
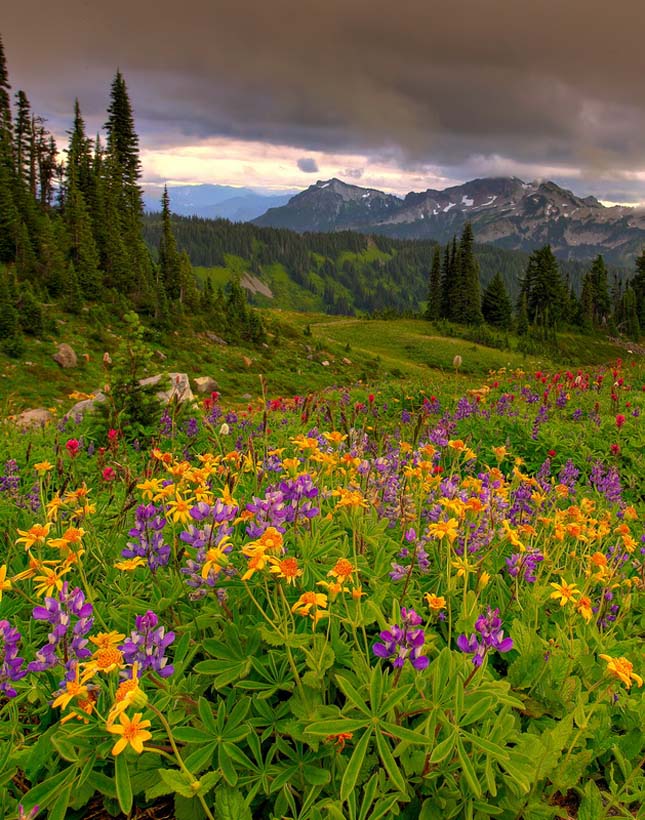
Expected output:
{"points": [[215, 201], [504, 211]]}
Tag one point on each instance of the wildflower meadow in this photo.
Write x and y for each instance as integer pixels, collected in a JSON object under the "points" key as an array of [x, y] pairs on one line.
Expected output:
{"points": [[417, 602]]}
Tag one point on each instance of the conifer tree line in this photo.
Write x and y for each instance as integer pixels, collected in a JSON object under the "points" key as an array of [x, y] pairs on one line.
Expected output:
{"points": [[72, 230], [547, 299]]}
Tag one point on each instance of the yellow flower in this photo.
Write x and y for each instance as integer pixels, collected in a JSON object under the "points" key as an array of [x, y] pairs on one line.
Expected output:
{"points": [[34, 535], [53, 507], [43, 467], [50, 580], [435, 602], [257, 561], [129, 693], [105, 660], [286, 568], [566, 592], [130, 564], [215, 558], [5, 583], [622, 669], [308, 600], [270, 541], [107, 640], [133, 732], [342, 571], [444, 529], [583, 607], [334, 589], [500, 453], [149, 488], [73, 689], [180, 509], [350, 498], [335, 437]]}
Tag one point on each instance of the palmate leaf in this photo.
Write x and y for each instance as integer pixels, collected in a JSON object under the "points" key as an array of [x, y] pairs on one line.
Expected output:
{"points": [[353, 769], [352, 695]]}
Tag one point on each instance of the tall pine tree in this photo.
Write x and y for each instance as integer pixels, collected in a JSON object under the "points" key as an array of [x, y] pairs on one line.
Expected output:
{"points": [[433, 308]]}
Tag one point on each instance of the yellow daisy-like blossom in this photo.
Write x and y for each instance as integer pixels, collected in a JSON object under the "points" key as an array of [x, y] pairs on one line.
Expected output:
{"points": [[129, 693], [180, 508], [215, 558], [257, 562], [53, 508], [130, 564], [350, 498], [309, 600], [583, 607], [107, 640], [565, 592], [43, 467], [104, 660], [271, 541], [49, 581], [630, 514], [444, 529], [149, 488], [335, 437], [35, 535], [334, 588], [500, 453], [133, 733], [342, 571], [286, 568], [622, 669], [435, 602], [5, 583], [73, 689]]}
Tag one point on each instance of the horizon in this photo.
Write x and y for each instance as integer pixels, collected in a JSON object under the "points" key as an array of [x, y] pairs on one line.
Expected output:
{"points": [[387, 103]]}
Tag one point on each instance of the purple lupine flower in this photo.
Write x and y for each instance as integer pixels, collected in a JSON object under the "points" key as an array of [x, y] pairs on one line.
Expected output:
{"points": [[147, 645], [523, 565], [568, 476], [147, 537], [215, 526], [401, 643], [192, 427], [491, 636], [606, 481], [69, 609], [11, 664], [165, 424]]}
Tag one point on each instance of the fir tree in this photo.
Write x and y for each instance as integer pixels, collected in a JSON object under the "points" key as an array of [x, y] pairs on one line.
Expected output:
{"points": [[522, 317], [469, 293], [22, 138], [169, 261], [601, 300], [496, 304], [433, 308], [637, 284], [9, 219], [6, 125]]}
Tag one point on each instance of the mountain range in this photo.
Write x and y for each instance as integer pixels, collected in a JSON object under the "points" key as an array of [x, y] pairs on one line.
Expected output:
{"points": [[504, 211], [215, 201]]}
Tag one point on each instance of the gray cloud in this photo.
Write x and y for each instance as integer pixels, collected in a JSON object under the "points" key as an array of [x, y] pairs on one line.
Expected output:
{"points": [[308, 165], [452, 83]]}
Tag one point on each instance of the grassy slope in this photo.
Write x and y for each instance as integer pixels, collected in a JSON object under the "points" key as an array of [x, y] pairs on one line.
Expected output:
{"points": [[291, 363]]}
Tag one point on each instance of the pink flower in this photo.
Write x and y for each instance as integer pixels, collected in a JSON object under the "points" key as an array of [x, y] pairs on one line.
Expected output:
{"points": [[108, 474], [615, 449], [73, 446], [620, 420], [112, 435]]}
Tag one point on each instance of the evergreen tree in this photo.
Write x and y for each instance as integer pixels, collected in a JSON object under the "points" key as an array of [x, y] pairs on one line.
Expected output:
{"points": [[30, 311], [9, 321], [544, 289], [123, 146], [637, 284], [496, 304], [9, 220], [600, 286], [433, 308], [169, 261], [22, 138], [79, 171], [522, 317], [6, 125], [83, 251], [469, 293]]}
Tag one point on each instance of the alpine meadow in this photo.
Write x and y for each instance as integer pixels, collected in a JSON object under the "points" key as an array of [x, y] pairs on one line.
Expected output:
{"points": [[321, 501]]}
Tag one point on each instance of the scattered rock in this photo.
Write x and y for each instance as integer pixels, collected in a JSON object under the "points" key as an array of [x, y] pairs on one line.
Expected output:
{"points": [[325, 363], [205, 384], [38, 417], [345, 360], [179, 387], [65, 356], [247, 362], [82, 407], [246, 396], [213, 337], [160, 356], [265, 345]]}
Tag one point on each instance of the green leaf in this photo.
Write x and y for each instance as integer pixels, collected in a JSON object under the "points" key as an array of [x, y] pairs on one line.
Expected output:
{"points": [[334, 727], [186, 734], [352, 695], [122, 783], [226, 766], [484, 745], [468, 770], [405, 734], [354, 766], [393, 699], [59, 810], [443, 749], [47, 792], [206, 714], [178, 782], [377, 684], [230, 805], [481, 707], [591, 806], [391, 767]]}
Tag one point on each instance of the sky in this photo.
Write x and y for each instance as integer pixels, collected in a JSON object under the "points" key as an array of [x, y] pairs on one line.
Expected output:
{"points": [[399, 96]]}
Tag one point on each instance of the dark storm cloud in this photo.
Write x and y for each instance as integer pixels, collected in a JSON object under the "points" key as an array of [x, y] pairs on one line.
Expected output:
{"points": [[438, 82], [308, 165]]}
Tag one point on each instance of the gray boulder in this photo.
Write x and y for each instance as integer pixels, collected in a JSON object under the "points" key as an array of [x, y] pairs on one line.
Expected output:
{"points": [[65, 356], [205, 384]]}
